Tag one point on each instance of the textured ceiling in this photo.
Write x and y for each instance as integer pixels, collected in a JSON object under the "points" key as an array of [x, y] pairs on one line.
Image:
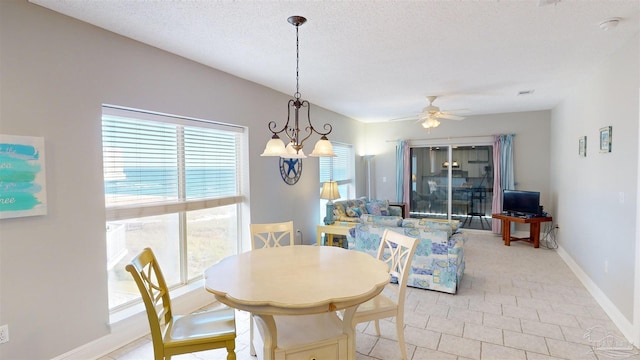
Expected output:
{"points": [[378, 60]]}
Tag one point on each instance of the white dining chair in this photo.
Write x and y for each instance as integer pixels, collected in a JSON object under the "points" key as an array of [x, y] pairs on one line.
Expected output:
{"points": [[266, 236], [271, 235], [397, 251]]}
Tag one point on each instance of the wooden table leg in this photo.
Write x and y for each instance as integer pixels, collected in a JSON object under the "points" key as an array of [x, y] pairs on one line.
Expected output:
{"points": [[267, 325], [349, 328], [534, 234], [506, 232]]}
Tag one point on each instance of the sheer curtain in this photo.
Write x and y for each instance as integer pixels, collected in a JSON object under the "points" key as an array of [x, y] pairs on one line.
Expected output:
{"points": [[503, 177], [403, 170]]}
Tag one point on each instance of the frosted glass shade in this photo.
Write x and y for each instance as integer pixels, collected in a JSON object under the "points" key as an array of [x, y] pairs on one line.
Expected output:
{"points": [[275, 147], [323, 148], [291, 153]]}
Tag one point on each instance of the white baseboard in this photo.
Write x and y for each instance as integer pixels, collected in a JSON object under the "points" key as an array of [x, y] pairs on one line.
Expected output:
{"points": [[625, 326], [136, 326]]}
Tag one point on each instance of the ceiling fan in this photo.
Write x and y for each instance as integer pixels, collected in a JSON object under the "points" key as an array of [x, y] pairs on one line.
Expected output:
{"points": [[431, 115]]}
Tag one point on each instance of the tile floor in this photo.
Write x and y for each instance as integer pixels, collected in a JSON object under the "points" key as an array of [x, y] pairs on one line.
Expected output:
{"points": [[515, 303]]}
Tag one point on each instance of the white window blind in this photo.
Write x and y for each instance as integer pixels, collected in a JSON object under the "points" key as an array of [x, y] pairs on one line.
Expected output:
{"points": [[339, 168], [167, 164]]}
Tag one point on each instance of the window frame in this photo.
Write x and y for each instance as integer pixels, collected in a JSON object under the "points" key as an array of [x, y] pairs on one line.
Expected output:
{"points": [[349, 180], [183, 205]]}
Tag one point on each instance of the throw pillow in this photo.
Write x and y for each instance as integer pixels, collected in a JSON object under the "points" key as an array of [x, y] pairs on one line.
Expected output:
{"points": [[380, 220], [378, 207], [354, 211]]}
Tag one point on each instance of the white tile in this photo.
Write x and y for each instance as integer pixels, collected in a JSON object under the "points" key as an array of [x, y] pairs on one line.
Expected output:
{"points": [[499, 352], [460, 346], [446, 326], [365, 342], [575, 335], [453, 301], [533, 303], [500, 298], [542, 329], [571, 309], [428, 354], [485, 307], [535, 356], [525, 342], [569, 350], [483, 333], [502, 322], [465, 315], [432, 309], [519, 312], [389, 349], [422, 337], [515, 291], [552, 317]]}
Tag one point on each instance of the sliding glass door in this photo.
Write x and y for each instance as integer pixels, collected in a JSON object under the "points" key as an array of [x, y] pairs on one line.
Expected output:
{"points": [[453, 182]]}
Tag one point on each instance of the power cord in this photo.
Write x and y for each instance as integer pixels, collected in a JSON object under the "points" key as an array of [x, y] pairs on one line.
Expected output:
{"points": [[548, 240]]}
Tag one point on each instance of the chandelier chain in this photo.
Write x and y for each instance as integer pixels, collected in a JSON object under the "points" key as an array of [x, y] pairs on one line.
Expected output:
{"points": [[297, 94]]}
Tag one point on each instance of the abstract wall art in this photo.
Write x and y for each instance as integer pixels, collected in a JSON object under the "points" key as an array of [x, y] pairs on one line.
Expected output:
{"points": [[22, 176]]}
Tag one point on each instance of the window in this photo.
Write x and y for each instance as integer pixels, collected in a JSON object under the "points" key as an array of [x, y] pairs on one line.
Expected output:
{"points": [[172, 184], [462, 190], [339, 169]]}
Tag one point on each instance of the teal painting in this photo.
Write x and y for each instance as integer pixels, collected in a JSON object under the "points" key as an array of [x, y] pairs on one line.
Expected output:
{"points": [[22, 176]]}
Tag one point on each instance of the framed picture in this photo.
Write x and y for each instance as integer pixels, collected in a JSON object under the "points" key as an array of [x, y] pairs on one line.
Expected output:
{"points": [[23, 189], [605, 139], [582, 146]]}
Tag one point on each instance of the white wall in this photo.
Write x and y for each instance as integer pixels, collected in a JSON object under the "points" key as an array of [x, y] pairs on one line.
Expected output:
{"points": [[55, 73], [596, 197]]}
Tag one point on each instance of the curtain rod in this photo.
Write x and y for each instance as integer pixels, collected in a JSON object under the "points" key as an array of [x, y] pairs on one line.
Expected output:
{"points": [[446, 138]]}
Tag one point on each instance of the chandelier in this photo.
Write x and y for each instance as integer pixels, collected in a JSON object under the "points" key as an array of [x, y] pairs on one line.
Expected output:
{"points": [[275, 146]]}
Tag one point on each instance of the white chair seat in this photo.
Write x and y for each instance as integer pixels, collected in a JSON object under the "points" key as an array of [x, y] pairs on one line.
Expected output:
{"points": [[200, 327], [376, 308]]}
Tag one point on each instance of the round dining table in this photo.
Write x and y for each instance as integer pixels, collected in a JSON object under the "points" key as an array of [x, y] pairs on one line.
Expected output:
{"points": [[297, 280]]}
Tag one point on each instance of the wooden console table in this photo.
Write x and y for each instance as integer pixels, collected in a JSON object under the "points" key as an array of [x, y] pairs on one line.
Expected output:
{"points": [[330, 230], [534, 228]]}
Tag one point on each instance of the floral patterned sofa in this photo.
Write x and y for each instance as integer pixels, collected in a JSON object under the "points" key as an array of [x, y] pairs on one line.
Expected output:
{"points": [[438, 263], [352, 210]]}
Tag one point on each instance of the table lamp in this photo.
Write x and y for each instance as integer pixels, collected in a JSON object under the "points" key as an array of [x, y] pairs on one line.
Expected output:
{"points": [[329, 192]]}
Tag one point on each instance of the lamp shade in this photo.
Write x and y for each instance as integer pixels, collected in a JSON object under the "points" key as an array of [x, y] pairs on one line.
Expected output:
{"points": [[330, 191], [292, 154], [323, 148], [275, 147]]}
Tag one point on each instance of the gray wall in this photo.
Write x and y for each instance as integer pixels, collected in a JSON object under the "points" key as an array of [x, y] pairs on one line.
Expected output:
{"points": [[596, 196], [55, 72], [531, 146]]}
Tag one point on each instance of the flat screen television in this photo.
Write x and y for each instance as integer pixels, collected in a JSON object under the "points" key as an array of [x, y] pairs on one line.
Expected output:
{"points": [[518, 202]]}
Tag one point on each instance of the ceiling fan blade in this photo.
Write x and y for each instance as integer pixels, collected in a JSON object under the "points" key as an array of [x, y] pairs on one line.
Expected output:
{"points": [[449, 116], [406, 118]]}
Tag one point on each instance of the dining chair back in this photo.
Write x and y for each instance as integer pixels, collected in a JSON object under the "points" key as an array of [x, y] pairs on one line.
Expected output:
{"points": [[266, 236], [179, 334], [271, 235], [397, 251]]}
